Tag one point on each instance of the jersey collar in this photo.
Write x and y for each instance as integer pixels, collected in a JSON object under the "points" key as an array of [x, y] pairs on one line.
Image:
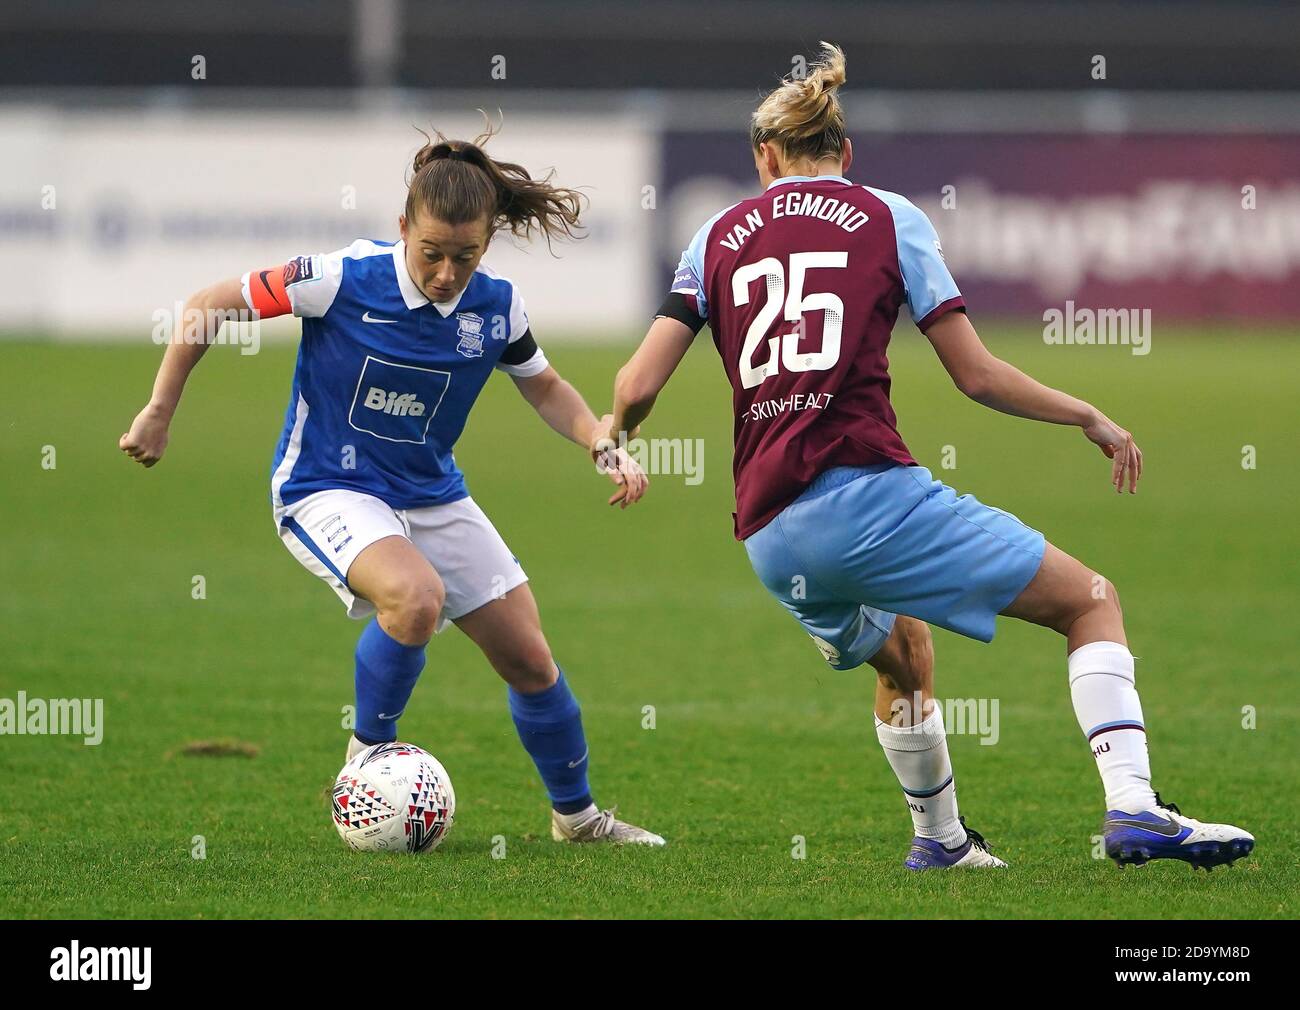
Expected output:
{"points": [[809, 178], [411, 294]]}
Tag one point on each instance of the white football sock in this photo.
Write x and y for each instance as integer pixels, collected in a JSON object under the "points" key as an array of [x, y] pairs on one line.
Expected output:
{"points": [[1109, 711], [919, 756]]}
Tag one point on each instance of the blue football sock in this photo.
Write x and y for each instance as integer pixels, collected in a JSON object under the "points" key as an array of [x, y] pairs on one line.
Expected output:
{"points": [[550, 727], [386, 674]]}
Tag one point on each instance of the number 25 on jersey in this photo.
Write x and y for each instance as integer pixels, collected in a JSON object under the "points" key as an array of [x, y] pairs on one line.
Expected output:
{"points": [[790, 303]]}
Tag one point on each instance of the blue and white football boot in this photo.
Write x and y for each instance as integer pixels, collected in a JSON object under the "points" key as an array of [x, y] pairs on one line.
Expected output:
{"points": [[1165, 833], [927, 854]]}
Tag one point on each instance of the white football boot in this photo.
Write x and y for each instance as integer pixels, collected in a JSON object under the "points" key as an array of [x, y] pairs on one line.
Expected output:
{"points": [[592, 825], [1165, 833], [927, 854]]}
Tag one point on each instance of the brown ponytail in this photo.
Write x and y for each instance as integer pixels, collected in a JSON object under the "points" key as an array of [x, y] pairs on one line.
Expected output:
{"points": [[804, 115], [457, 181]]}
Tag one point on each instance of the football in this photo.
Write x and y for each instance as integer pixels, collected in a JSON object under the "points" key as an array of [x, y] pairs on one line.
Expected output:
{"points": [[393, 797]]}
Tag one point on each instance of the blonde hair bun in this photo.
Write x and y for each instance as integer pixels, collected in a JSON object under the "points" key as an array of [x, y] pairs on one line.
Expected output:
{"points": [[803, 114]]}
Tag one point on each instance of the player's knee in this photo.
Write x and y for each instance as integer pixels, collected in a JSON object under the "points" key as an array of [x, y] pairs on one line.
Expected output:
{"points": [[416, 608], [1113, 594], [1103, 598], [1099, 601], [906, 661]]}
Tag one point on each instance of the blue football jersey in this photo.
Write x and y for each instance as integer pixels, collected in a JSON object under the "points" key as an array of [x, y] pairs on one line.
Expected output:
{"points": [[385, 379]]}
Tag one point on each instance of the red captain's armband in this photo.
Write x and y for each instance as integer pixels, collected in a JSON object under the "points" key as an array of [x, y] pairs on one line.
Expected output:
{"points": [[265, 293]]}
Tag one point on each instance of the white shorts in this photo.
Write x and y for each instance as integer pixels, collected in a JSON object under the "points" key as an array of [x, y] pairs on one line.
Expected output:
{"points": [[327, 530]]}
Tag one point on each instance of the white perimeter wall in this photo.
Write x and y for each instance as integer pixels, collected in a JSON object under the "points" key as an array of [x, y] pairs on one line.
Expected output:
{"points": [[149, 206]]}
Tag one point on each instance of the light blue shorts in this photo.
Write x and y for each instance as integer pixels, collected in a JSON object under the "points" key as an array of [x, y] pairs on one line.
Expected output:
{"points": [[862, 544]]}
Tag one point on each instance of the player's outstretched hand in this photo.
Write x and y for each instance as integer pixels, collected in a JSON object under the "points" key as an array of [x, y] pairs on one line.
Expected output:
{"points": [[613, 460], [626, 472], [147, 439], [1119, 447]]}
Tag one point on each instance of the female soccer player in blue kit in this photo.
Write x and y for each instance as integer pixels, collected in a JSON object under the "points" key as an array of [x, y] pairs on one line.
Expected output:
{"points": [[397, 341], [801, 286]]}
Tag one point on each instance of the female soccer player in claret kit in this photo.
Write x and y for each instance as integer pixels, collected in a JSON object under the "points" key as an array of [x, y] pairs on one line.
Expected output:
{"points": [[397, 341], [801, 287]]}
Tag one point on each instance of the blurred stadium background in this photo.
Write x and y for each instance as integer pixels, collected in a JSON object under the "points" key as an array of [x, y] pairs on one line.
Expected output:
{"points": [[154, 146]]}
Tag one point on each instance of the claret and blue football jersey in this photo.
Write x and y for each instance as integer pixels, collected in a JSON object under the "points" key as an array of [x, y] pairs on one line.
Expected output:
{"points": [[801, 286], [385, 379]]}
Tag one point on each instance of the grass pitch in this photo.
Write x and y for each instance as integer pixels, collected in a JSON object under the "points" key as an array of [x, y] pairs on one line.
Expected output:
{"points": [[756, 743]]}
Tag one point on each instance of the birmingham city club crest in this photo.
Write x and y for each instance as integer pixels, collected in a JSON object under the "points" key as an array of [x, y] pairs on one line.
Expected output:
{"points": [[470, 331]]}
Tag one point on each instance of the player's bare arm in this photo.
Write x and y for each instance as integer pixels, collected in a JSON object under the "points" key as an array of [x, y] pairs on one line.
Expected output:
{"points": [[640, 381], [146, 440], [563, 408], [995, 383]]}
